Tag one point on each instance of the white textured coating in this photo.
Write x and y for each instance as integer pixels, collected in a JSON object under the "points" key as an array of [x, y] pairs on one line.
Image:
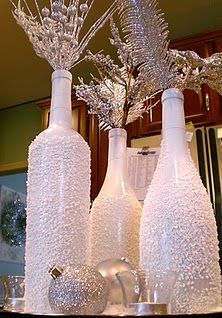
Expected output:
{"points": [[114, 228], [57, 209], [178, 232]]}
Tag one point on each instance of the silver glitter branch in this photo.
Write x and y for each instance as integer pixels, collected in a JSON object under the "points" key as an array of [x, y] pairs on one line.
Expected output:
{"points": [[118, 96], [55, 31], [193, 71], [147, 34]]}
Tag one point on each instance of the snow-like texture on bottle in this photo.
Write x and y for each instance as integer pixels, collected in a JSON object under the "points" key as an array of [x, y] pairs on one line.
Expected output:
{"points": [[178, 228], [58, 199], [115, 214]]}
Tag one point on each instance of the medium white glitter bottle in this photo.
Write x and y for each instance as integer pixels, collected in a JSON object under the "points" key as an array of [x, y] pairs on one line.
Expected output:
{"points": [[58, 197], [178, 228], [115, 214]]}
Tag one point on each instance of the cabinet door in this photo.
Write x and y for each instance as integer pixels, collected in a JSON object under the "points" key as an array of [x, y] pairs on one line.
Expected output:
{"points": [[149, 123], [218, 45], [98, 142], [79, 115], [152, 120], [197, 106], [80, 118]]}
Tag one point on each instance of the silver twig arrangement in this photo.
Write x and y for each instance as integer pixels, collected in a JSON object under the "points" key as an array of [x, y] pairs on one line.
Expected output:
{"points": [[119, 96], [54, 31]]}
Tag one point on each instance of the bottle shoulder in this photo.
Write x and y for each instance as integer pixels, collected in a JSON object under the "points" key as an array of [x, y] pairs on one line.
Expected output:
{"points": [[56, 131], [114, 202], [117, 192], [58, 134]]}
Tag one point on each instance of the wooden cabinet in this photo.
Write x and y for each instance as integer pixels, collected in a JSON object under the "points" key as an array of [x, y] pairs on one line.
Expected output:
{"points": [[202, 108]]}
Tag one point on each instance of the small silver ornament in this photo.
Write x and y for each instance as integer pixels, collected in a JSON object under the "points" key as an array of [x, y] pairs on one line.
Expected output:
{"points": [[84, 7], [80, 21], [78, 289], [45, 12], [108, 269]]}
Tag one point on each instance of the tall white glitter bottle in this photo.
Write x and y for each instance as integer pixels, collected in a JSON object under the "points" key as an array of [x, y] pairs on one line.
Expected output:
{"points": [[178, 229], [58, 197], [115, 214]]}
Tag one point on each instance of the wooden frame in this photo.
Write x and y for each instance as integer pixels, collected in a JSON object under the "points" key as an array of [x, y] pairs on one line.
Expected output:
{"points": [[14, 167]]}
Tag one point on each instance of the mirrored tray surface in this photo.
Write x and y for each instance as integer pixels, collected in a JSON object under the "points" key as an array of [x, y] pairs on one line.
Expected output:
{"points": [[12, 314]]}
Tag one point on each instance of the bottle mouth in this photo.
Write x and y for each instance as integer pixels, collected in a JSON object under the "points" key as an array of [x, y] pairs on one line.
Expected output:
{"points": [[171, 93], [117, 132], [62, 74]]}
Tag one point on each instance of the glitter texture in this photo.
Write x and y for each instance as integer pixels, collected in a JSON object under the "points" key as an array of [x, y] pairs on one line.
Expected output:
{"points": [[56, 32], [115, 213], [80, 290], [178, 229]]}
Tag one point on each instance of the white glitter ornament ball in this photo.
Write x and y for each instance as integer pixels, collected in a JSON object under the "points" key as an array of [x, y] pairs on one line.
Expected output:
{"points": [[108, 269], [78, 289]]}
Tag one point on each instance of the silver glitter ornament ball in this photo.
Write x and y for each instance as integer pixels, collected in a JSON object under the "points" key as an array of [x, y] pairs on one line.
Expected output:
{"points": [[108, 269], [78, 289]]}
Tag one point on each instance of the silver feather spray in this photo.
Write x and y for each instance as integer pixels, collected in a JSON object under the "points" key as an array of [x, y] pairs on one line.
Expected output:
{"points": [[147, 34]]}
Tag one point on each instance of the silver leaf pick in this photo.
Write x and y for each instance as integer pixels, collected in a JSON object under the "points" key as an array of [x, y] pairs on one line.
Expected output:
{"points": [[120, 95], [193, 71]]}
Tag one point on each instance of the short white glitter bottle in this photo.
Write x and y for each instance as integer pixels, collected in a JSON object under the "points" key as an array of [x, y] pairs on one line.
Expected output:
{"points": [[178, 228], [115, 214], [58, 197]]}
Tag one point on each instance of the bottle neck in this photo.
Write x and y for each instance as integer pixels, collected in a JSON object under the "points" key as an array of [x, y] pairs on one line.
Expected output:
{"points": [[116, 179], [174, 133], [117, 151], [61, 107]]}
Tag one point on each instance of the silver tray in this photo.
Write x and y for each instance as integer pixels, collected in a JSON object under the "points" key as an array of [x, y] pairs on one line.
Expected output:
{"points": [[12, 314]]}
